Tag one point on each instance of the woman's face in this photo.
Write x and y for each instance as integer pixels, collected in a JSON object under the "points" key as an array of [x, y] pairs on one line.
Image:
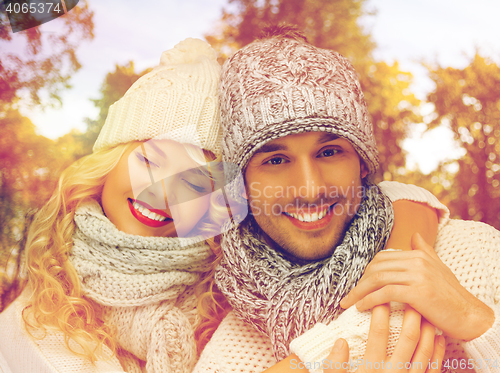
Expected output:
{"points": [[157, 189]]}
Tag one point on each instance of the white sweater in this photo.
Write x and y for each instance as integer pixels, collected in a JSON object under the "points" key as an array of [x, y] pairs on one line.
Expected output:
{"points": [[470, 249], [22, 354]]}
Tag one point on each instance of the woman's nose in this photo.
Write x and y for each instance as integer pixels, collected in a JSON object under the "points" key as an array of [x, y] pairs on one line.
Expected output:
{"points": [[156, 195]]}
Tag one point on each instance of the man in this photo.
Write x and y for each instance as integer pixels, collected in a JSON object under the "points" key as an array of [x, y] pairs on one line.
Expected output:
{"points": [[296, 123]]}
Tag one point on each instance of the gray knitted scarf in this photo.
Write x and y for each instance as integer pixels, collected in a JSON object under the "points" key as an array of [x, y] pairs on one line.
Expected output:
{"points": [[145, 285], [283, 298]]}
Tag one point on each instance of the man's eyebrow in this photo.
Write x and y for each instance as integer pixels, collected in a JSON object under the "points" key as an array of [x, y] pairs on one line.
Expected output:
{"points": [[325, 137], [269, 148]]}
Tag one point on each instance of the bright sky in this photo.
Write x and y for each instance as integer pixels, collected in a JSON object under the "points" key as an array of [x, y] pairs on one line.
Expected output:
{"points": [[447, 31]]}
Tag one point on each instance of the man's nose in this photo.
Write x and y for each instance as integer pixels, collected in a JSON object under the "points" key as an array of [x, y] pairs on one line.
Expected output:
{"points": [[309, 180]]}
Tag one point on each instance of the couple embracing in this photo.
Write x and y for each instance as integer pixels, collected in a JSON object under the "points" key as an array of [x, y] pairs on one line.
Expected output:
{"points": [[146, 244]]}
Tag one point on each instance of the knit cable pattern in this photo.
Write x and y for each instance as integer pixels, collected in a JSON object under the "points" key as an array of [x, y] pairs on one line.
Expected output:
{"points": [[280, 86]]}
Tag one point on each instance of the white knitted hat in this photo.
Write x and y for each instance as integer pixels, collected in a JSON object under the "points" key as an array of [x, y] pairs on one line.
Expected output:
{"points": [[177, 100], [281, 85]]}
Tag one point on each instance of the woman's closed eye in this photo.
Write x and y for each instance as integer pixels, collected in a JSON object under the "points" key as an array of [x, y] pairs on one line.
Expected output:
{"points": [[146, 161], [197, 187]]}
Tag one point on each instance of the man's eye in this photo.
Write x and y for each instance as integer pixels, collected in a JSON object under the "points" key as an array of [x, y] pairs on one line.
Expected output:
{"points": [[276, 161], [145, 160], [328, 152]]}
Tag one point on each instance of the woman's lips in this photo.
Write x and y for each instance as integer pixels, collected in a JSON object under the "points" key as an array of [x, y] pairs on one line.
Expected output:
{"points": [[146, 220]]}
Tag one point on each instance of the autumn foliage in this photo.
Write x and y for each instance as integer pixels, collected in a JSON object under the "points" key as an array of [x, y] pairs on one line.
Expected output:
{"points": [[468, 100]]}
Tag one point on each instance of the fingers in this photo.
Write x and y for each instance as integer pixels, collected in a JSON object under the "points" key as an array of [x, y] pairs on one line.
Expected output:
{"points": [[438, 355], [370, 292], [338, 360], [409, 337], [389, 268], [385, 285], [378, 334], [425, 347], [389, 293]]}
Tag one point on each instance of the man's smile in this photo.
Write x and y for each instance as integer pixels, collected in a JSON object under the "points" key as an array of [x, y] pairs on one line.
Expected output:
{"points": [[309, 214], [308, 219]]}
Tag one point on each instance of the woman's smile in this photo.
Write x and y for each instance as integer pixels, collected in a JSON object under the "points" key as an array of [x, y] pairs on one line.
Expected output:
{"points": [[147, 215]]}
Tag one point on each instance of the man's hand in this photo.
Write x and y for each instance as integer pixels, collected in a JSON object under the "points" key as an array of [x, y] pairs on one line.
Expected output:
{"points": [[417, 350], [420, 279]]}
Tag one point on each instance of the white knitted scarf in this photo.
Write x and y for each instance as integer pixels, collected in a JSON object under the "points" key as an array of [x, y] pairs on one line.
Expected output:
{"points": [[146, 287], [283, 298]]}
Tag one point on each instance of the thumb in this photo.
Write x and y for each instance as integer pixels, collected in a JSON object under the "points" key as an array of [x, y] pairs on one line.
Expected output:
{"points": [[338, 360], [418, 243]]}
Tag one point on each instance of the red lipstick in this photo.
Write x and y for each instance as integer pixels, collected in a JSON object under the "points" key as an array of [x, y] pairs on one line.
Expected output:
{"points": [[145, 220]]}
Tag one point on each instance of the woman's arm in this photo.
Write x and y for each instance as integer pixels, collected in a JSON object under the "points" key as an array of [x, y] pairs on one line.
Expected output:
{"points": [[412, 217], [415, 210]]}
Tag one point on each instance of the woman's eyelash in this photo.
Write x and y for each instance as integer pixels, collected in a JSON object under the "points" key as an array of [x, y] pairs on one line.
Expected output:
{"points": [[199, 189], [145, 160]]}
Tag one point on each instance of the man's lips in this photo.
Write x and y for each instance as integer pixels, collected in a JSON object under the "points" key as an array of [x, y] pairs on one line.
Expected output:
{"points": [[146, 209], [311, 219], [310, 209]]}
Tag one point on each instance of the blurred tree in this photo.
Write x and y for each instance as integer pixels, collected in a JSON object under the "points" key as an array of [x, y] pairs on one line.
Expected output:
{"points": [[33, 62], [393, 109], [34, 68], [29, 166], [335, 25], [468, 100], [438, 182]]}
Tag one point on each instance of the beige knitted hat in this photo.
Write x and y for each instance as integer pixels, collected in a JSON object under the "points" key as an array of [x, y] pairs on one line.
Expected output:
{"points": [[282, 85], [177, 100]]}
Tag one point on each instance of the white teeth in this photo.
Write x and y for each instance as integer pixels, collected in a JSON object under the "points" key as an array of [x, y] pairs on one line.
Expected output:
{"points": [[147, 213], [309, 218]]}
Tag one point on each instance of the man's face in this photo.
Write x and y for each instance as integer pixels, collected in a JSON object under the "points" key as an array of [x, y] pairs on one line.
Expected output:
{"points": [[303, 191]]}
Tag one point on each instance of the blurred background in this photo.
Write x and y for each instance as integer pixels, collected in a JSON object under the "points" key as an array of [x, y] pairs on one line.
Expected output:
{"points": [[430, 72]]}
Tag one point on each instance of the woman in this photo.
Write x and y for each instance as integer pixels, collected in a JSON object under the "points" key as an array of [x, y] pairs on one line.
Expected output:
{"points": [[116, 260]]}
